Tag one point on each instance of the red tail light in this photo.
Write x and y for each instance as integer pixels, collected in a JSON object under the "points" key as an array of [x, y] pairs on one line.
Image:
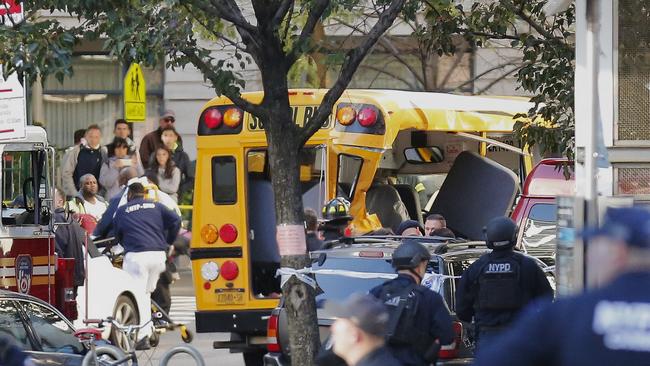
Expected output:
{"points": [[451, 350], [229, 270], [65, 296], [367, 117], [213, 118], [228, 233], [272, 344]]}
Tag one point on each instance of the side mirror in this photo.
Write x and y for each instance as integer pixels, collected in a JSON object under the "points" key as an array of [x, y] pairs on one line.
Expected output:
{"points": [[424, 155]]}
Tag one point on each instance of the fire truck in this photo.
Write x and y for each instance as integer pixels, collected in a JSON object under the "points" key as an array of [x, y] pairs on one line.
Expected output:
{"points": [[28, 261]]}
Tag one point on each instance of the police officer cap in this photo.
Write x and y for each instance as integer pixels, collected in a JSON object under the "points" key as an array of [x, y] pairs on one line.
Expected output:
{"points": [[409, 255], [337, 209], [500, 233], [629, 224]]}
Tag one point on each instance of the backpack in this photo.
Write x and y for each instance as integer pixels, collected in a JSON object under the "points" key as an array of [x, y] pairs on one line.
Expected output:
{"points": [[403, 329]]}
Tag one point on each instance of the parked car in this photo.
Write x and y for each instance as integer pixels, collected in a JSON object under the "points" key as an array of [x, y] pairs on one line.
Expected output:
{"points": [[39, 329], [335, 269]]}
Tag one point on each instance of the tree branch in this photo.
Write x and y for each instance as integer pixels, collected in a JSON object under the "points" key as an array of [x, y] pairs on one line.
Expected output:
{"points": [[214, 32], [390, 47], [230, 11], [385, 71], [501, 66], [495, 81], [353, 59], [315, 13], [282, 11], [208, 71]]}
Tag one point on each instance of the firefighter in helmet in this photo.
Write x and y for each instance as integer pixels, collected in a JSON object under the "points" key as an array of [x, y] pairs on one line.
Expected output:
{"points": [[337, 215]]}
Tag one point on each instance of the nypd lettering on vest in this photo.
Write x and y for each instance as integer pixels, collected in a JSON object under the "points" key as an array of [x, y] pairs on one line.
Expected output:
{"points": [[499, 268], [24, 271]]}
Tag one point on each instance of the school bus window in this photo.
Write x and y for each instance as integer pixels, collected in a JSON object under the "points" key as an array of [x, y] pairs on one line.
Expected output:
{"points": [[224, 180], [348, 173]]}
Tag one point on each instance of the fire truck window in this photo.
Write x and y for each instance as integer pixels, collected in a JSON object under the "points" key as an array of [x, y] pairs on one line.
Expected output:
{"points": [[54, 333], [11, 325]]}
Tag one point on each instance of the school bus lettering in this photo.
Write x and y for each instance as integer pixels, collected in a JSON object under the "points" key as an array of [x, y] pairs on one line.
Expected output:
{"points": [[300, 115]]}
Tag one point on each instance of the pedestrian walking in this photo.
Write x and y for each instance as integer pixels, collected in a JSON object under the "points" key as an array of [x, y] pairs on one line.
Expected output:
{"points": [[120, 159], [151, 141], [496, 287], [607, 325], [359, 331], [311, 225], [145, 229], [337, 214], [169, 176], [170, 139], [85, 158], [419, 319]]}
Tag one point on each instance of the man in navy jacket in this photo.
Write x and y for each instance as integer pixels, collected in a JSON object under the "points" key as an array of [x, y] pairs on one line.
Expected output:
{"points": [[145, 229], [609, 325]]}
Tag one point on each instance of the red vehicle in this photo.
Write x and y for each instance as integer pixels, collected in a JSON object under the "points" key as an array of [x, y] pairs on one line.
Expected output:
{"points": [[28, 263], [535, 212]]}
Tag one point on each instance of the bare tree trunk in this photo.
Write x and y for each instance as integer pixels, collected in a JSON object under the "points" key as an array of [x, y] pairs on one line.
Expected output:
{"points": [[284, 145]]}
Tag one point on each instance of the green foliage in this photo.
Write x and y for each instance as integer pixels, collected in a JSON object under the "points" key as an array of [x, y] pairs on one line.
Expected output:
{"points": [[548, 65]]}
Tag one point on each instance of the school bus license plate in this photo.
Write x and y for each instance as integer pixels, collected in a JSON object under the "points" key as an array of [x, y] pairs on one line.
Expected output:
{"points": [[230, 297]]}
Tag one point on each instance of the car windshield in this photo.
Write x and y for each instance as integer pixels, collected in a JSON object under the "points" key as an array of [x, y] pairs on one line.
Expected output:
{"points": [[339, 286]]}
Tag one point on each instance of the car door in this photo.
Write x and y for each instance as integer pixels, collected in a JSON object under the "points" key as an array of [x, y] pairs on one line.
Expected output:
{"points": [[55, 343], [12, 325]]}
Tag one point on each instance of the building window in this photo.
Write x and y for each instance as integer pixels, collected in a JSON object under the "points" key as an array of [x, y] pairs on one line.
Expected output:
{"points": [[93, 95]]}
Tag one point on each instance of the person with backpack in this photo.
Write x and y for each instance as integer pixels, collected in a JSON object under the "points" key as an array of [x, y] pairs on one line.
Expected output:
{"points": [[419, 319], [496, 287]]}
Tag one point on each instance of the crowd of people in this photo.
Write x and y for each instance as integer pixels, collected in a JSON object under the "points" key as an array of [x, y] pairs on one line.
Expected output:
{"points": [[128, 193], [90, 170]]}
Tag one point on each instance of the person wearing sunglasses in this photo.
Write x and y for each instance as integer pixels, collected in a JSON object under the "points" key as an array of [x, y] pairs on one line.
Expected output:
{"points": [[153, 140]]}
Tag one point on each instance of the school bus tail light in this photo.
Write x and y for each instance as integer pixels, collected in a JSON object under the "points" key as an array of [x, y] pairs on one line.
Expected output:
{"points": [[367, 117], [209, 271], [213, 118], [209, 234], [232, 117], [346, 115], [228, 233], [229, 270]]}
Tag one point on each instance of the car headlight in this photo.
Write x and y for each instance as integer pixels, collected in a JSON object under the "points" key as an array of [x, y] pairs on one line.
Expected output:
{"points": [[210, 271]]}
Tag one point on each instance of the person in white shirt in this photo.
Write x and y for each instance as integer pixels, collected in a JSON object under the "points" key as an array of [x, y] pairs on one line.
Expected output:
{"points": [[87, 201]]}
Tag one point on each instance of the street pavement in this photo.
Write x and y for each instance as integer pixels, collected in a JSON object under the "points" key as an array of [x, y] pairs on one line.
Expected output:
{"points": [[183, 306]]}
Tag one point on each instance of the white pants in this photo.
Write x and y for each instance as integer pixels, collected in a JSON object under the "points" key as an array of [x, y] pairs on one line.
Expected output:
{"points": [[145, 266]]}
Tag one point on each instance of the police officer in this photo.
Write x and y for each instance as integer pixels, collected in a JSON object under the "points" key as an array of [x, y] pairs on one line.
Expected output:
{"points": [[499, 284], [609, 325], [145, 228], [337, 214], [419, 319]]}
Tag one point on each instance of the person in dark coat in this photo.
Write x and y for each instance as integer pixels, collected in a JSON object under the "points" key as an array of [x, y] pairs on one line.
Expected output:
{"points": [[170, 139], [425, 323], [311, 224], [152, 141], [607, 325], [496, 287], [70, 239], [358, 334]]}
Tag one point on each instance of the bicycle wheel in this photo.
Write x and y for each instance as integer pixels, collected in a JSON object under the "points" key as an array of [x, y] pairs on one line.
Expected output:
{"points": [[188, 350], [106, 354]]}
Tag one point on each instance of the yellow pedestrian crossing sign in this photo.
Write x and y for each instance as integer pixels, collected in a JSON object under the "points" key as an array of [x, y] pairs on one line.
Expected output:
{"points": [[135, 95]]}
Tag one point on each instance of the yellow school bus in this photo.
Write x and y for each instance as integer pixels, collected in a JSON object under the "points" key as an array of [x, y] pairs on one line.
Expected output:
{"points": [[360, 148]]}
